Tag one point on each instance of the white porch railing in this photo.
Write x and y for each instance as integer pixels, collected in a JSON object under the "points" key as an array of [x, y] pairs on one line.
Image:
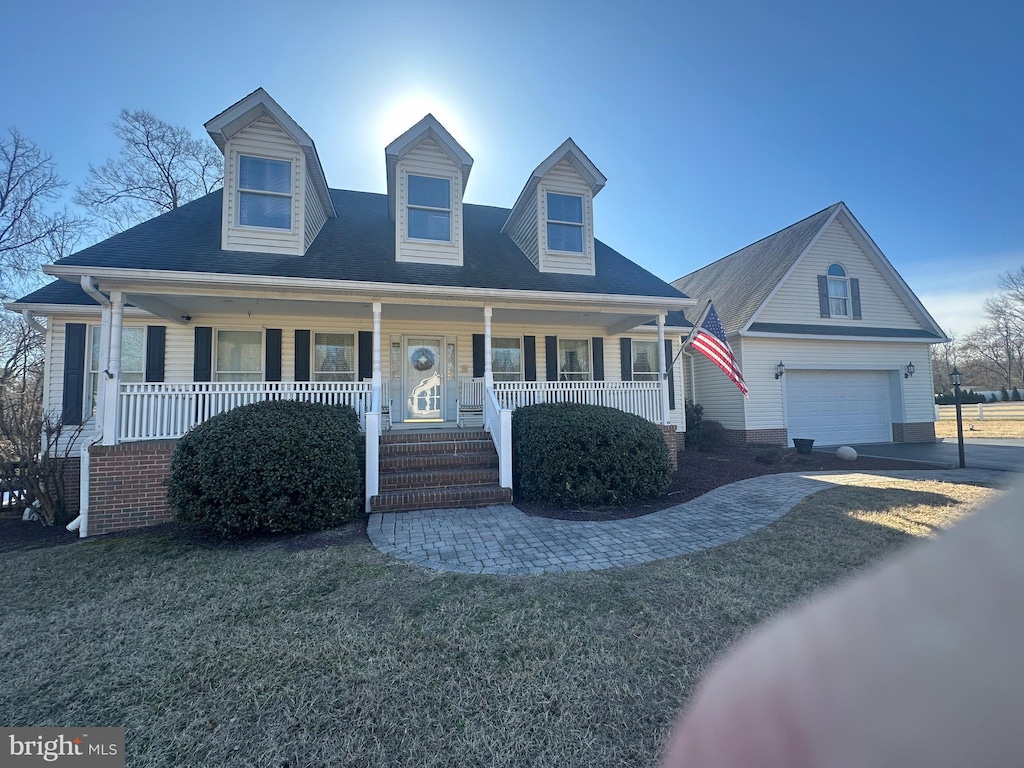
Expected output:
{"points": [[498, 421], [642, 398], [169, 410]]}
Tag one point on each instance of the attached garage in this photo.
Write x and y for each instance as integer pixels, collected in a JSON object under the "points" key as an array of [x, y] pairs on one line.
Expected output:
{"points": [[836, 407]]}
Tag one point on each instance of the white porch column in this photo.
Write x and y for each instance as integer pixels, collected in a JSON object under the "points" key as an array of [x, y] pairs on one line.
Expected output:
{"points": [[104, 365], [662, 369], [488, 373], [376, 343], [111, 376]]}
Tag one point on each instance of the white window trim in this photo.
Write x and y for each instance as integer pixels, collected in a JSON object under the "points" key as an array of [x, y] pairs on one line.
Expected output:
{"points": [[581, 224], [590, 359], [522, 372], [848, 298], [88, 406], [652, 375], [246, 190], [215, 373], [450, 210], [312, 353]]}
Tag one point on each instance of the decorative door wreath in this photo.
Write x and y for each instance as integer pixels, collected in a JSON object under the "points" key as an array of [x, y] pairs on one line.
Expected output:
{"points": [[423, 359]]}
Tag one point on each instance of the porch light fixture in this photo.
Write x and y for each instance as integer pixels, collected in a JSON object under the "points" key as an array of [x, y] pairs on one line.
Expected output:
{"points": [[955, 377], [910, 370], [779, 370]]}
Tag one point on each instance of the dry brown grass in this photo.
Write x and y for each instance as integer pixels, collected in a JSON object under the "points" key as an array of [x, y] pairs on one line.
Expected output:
{"points": [[275, 654], [986, 428]]}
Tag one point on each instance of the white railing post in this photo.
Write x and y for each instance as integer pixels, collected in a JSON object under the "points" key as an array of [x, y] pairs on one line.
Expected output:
{"points": [[488, 373], [981, 412], [111, 376], [662, 370], [505, 452], [372, 456]]}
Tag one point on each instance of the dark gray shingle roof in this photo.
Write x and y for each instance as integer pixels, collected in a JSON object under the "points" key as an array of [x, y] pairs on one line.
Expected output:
{"points": [[843, 330], [740, 282], [360, 245]]}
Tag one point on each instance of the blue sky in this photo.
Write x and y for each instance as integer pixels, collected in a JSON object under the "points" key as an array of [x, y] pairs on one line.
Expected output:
{"points": [[716, 123]]}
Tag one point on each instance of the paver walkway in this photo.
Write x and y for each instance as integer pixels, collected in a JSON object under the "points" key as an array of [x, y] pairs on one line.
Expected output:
{"points": [[503, 540]]}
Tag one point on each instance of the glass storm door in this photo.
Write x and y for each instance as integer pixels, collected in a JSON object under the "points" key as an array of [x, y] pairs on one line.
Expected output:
{"points": [[424, 380]]}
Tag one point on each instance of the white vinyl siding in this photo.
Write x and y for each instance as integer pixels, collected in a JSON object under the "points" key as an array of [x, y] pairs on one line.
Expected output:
{"points": [[721, 399], [316, 215], [796, 300], [524, 229], [264, 138], [912, 400], [428, 160], [564, 180]]}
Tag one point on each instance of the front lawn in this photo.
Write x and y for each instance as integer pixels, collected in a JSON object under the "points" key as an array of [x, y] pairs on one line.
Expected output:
{"points": [[986, 428], [318, 650]]}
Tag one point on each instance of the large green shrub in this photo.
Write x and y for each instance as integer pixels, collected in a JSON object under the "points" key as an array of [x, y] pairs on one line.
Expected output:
{"points": [[270, 467], [572, 454], [710, 437]]}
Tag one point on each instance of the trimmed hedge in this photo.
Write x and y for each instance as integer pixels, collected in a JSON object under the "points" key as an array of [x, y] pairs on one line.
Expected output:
{"points": [[707, 438], [571, 455], [270, 467]]}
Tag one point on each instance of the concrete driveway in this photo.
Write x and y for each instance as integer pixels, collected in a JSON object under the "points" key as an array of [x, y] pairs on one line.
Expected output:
{"points": [[1006, 454]]}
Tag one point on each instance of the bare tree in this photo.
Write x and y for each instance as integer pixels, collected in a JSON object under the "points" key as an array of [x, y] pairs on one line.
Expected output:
{"points": [[160, 167], [944, 359], [31, 230]]}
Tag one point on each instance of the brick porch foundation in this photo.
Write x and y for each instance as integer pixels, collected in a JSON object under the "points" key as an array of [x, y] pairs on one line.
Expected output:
{"points": [[126, 485], [676, 442], [747, 436]]}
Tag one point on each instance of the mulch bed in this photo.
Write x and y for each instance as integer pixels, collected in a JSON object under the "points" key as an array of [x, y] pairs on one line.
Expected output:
{"points": [[698, 473]]}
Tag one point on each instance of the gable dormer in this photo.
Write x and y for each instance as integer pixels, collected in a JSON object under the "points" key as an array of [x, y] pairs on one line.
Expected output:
{"points": [[552, 222], [275, 193], [427, 175]]}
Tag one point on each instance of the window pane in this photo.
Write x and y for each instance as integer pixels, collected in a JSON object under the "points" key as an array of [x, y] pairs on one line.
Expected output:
{"points": [[836, 271], [132, 360], [837, 307], [267, 175], [573, 359], [429, 192], [238, 355], [645, 361], [565, 237], [255, 210], [334, 356], [429, 225], [565, 208], [506, 359]]}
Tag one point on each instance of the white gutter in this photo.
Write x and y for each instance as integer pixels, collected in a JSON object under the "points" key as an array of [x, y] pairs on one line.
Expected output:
{"points": [[31, 322], [81, 523]]}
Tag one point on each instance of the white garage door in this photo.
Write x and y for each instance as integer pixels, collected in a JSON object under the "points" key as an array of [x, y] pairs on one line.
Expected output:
{"points": [[836, 407]]}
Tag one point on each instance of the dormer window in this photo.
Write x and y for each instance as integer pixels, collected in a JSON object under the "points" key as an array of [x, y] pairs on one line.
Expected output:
{"points": [[430, 208], [264, 192], [838, 291], [565, 223]]}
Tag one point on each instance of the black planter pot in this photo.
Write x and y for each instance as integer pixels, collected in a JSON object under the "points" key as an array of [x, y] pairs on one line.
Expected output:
{"points": [[803, 444]]}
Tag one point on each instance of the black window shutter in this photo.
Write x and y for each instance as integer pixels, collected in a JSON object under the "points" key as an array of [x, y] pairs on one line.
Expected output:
{"points": [[478, 355], [626, 356], [597, 345], [74, 372], [855, 297], [155, 344], [671, 375], [272, 367], [202, 354], [551, 357], [823, 296], [529, 358], [365, 355], [302, 355]]}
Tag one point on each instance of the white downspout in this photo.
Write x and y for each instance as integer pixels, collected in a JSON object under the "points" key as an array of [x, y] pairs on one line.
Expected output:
{"points": [[81, 523], [693, 389], [31, 322]]}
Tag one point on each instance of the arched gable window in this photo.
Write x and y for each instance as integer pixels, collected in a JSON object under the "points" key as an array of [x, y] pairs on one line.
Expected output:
{"points": [[838, 291]]}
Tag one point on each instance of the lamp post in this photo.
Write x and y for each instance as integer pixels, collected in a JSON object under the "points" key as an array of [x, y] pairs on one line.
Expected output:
{"points": [[956, 377]]}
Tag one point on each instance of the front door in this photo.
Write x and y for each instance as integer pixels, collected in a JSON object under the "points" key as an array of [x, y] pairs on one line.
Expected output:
{"points": [[424, 379]]}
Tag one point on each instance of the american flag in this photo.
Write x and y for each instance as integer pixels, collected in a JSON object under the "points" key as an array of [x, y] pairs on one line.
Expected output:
{"points": [[711, 342]]}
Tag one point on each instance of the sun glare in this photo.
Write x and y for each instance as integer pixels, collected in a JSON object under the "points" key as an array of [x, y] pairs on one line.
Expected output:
{"points": [[405, 111]]}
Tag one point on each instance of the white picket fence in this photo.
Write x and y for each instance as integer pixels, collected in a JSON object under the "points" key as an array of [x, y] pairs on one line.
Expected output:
{"points": [[1013, 411], [169, 410]]}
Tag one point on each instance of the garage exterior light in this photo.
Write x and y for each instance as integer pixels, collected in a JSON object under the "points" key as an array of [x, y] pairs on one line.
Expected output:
{"points": [[910, 370], [779, 370]]}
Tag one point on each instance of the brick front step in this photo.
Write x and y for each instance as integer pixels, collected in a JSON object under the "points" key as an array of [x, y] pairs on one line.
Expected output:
{"points": [[440, 498], [399, 436], [438, 462], [438, 478], [436, 447]]}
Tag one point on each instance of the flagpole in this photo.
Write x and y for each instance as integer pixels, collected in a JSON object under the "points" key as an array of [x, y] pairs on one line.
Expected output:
{"points": [[689, 336]]}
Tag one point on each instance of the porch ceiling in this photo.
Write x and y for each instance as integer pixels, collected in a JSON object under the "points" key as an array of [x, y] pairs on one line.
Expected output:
{"points": [[183, 308]]}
